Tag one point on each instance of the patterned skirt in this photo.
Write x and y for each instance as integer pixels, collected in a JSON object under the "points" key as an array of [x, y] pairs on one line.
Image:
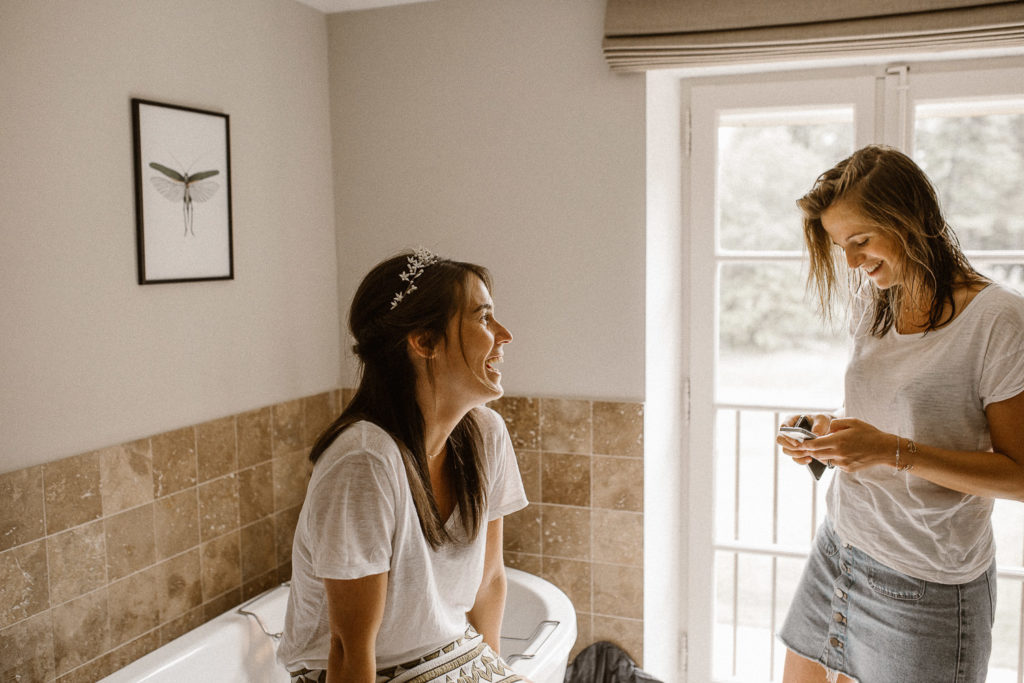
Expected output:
{"points": [[466, 660]]}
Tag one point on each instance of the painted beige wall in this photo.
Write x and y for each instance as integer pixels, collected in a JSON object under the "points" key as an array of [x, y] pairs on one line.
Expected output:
{"points": [[493, 131], [88, 358]]}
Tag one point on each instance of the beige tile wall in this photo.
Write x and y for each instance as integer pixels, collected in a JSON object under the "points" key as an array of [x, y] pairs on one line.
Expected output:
{"points": [[582, 465], [107, 555]]}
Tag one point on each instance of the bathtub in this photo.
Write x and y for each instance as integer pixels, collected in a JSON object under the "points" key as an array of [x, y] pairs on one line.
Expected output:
{"points": [[538, 631]]}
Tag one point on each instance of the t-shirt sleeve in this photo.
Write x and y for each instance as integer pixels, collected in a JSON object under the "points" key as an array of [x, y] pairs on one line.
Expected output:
{"points": [[352, 518], [1003, 373], [505, 492]]}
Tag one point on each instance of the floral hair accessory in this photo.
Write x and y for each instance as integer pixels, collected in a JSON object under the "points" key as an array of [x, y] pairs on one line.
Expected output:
{"points": [[417, 263]]}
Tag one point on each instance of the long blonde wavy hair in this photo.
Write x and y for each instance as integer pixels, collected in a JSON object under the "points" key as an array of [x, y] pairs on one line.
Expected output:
{"points": [[893, 193]]}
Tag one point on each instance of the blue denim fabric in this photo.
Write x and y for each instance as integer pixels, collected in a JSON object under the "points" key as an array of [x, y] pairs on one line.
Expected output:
{"points": [[858, 617]]}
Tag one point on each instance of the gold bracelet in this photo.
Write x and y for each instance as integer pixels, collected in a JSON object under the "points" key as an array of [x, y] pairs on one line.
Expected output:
{"points": [[912, 448]]}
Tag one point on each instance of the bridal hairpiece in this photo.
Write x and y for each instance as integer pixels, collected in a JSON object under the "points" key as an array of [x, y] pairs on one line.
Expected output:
{"points": [[416, 264]]}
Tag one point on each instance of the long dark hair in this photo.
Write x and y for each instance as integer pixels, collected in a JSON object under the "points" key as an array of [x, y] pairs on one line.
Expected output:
{"points": [[387, 387], [891, 191]]}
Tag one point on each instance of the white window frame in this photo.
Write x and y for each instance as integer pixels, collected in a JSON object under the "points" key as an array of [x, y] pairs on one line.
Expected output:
{"points": [[678, 582]]}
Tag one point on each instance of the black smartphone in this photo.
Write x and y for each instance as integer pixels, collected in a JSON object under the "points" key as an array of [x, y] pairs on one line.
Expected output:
{"points": [[801, 431]]}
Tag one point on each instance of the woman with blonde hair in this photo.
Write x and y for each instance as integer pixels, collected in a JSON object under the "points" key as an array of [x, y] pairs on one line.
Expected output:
{"points": [[397, 565], [900, 584]]}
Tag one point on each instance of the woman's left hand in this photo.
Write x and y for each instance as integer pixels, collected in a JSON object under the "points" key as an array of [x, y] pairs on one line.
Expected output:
{"points": [[851, 445]]}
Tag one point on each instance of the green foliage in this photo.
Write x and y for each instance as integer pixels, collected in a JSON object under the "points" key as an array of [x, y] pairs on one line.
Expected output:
{"points": [[976, 163]]}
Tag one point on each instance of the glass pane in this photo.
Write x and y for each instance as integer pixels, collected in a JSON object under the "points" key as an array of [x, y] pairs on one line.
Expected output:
{"points": [[748, 468], [768, 160], [1010, 274], [1008, 527], [974, 153], [744, 639], [1006, 634], [773, 348]]}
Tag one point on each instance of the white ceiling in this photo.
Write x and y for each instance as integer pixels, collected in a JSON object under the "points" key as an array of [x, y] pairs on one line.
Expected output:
{"points": [[332, 6]]}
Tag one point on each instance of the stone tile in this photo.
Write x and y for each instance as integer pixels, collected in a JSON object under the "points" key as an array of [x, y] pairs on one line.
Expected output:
{"points": [[80, 630], [126, 476], [565, 425], [174, 461], [254, 586], [284, 533], [618, 537], [573, 577], [584, 628], [179, 626], [21, 507], [529, 471], [259, 554], [522, 417], [112, 661], [619, 428], [291, 474], [317, 413], [78, 561], [176, 520], [531, 564], [72, 492], [618, 483], [255, 493], [222, 603], [521, 530], [565, 479], [221, 565], [286, 433], [618, 591], [565, 532], [254, 445], [26, 650], [131, 542], [179, 585], [133, 611], [24, 583], [218, 507], [216, 448], [626, 633]]}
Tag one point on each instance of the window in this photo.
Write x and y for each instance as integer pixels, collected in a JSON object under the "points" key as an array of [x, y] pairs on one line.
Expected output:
{"points": [[758, 350]]}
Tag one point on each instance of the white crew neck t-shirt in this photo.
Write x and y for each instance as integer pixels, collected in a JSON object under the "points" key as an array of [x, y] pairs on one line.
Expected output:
{"points": [[933, 388], [359, 519]]}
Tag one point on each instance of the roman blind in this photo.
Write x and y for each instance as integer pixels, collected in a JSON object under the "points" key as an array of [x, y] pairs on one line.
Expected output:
{"points": [[650, 34]]}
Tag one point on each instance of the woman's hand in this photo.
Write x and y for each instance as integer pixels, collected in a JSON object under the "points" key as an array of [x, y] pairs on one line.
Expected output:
{"points": [[845, 442], [794, 447]]}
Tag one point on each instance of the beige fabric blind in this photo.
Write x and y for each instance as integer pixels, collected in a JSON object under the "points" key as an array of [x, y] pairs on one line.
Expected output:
{"points": [[649, 34]]}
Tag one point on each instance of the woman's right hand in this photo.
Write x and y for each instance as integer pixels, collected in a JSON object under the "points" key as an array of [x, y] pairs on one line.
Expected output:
{"points": [[791, 447]]}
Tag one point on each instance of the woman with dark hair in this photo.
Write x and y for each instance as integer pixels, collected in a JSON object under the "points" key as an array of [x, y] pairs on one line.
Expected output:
{"points": [[397, 566], [901, 582]]}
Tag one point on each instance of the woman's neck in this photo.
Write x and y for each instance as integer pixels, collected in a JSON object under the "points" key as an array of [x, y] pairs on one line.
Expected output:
{"points": [[439, 421], [914, 314]]}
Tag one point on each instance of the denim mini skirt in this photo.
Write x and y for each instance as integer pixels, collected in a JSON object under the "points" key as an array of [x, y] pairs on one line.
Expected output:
{"points": [[857, 617]]}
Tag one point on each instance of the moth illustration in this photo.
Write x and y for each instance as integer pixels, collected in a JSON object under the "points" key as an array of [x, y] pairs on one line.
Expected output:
{"points": [[185, 188]]}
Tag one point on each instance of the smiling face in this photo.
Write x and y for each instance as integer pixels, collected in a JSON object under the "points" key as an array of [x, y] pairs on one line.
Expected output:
{"points": [[466, 366], [866, 246]]}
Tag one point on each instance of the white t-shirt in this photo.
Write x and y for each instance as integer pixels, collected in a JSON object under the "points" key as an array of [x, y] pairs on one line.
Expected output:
{"points": [[359, 519], [933, 388]]}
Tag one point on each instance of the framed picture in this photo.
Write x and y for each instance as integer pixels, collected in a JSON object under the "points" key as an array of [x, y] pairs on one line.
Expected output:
{"points": [[182, 193]]}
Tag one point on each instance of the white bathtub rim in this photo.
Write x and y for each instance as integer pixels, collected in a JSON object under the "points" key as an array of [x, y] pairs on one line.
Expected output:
{"points": [[149, 667]]}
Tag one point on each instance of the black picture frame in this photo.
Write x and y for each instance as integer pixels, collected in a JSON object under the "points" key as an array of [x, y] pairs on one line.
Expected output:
{"points": [[182, 193]]}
